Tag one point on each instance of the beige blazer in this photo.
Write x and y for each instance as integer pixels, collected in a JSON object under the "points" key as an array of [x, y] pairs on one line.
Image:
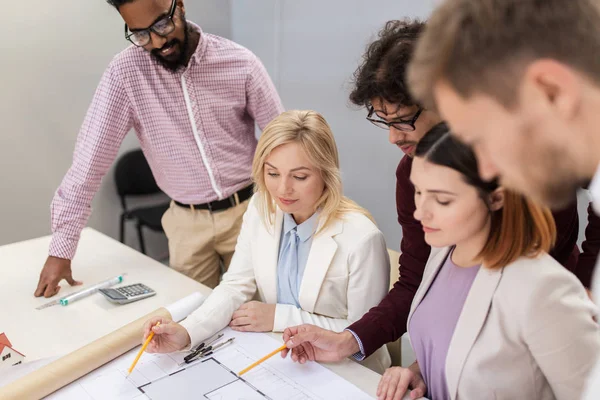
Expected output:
{"points": [[347, 272], [525, 332]]}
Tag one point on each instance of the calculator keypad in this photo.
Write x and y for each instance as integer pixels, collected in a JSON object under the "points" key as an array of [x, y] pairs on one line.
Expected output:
{"points": [[134, 290]]}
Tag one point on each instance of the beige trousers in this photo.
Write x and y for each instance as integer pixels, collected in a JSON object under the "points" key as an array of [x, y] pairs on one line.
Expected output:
{"points": [[199, 240]]}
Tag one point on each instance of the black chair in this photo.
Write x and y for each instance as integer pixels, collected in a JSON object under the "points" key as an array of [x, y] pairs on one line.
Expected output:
{"points": [[134, 178]]}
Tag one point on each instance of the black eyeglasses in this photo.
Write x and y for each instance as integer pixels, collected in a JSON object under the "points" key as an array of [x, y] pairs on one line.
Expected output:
{"points": [[162, 27], [402, 125]]}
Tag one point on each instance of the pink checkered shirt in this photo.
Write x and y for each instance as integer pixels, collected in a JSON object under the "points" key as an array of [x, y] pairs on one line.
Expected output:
{"points": [[196, 128]]}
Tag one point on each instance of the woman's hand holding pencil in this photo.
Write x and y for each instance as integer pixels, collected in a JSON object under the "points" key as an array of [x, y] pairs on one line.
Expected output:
{"points": [[169, 336], [265, 358]]}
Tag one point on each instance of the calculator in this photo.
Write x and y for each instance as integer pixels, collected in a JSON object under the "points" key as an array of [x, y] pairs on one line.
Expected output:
{"points": [[127, 294]]}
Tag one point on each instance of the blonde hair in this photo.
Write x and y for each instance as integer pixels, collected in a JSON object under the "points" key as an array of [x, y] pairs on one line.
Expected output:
{"points": [[310, 130]]}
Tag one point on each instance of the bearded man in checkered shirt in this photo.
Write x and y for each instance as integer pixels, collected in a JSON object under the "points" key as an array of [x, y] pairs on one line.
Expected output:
{"points": [[192, 99]]}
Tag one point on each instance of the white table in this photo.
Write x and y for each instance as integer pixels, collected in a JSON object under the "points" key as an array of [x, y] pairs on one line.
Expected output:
{"points": [[59, 330]]}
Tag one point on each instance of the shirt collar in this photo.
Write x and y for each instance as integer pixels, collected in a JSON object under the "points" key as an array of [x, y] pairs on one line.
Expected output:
{"points": [[197, 56], [305, 230], [595, 191]]}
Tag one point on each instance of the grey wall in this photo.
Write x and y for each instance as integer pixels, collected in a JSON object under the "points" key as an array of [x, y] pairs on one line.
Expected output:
{"points": [[311, 48], [53, 54], [583, 200], [55, 51]]}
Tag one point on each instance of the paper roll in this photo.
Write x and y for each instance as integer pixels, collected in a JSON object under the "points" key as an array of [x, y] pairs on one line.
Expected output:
{"points": [[73, 366], [184, 307]]}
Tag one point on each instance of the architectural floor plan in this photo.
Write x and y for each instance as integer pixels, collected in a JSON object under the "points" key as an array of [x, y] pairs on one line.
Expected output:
{"points": [[162, 377]]}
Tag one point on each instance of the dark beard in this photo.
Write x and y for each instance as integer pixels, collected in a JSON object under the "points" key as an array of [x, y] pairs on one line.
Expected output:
{"points": [[180, 61]]}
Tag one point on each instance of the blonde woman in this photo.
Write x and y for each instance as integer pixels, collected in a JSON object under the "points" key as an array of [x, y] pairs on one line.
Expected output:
{"points": [[310, 254]]}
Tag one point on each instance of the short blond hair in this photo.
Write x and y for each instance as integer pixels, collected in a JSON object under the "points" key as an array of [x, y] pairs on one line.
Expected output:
{"points": [[310, 130], [485, 45]]}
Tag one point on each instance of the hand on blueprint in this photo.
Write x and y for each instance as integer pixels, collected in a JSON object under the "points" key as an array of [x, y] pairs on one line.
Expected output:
{"points": [[397, 380], [55, 270], [253, 316], [312, 343], [169, 336]]}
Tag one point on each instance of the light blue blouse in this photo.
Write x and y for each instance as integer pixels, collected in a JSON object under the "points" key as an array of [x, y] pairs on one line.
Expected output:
{"points": [[294, 248]]}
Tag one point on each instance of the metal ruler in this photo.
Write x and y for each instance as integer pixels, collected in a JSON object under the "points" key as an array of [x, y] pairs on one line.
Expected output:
{"points": [[83, 292], [50, 304]]}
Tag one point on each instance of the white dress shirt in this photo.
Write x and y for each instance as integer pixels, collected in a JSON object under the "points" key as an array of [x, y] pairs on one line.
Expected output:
{"points": [[593, 389]]}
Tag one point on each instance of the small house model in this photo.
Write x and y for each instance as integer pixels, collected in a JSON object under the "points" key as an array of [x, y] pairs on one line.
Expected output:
{"points": [[8, 355]]}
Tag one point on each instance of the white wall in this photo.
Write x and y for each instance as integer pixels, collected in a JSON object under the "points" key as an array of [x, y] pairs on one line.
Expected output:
{"points": [[53, 54]]}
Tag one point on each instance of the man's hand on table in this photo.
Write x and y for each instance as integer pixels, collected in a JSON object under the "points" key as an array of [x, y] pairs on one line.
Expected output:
{"points": [[311, 343], [55, 270]]}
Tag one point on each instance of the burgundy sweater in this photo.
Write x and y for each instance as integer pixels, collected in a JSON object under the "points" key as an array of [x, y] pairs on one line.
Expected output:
{"points": [[386, 322]]}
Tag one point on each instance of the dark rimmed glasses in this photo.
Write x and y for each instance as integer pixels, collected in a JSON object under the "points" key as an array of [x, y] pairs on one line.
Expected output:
{"points": [[401, 125], [162, 27]]}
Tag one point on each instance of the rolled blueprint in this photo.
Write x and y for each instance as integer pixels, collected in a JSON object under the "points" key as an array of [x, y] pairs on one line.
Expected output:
{"points": [[184, 307], [73, 366]]}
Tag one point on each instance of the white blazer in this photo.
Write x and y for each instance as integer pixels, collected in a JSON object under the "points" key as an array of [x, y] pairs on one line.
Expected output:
{"points": [[525, 332], [347, 272]]}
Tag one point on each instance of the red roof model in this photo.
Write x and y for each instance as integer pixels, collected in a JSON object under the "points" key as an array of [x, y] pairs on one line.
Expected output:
{"points": [[4, 342]]}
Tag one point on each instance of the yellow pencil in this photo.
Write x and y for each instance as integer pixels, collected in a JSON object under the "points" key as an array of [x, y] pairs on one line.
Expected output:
{"points": [[146, 343], [242, 372]]}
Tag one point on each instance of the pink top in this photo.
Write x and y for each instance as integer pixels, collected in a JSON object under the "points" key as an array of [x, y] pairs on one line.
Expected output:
{"points": [[195, 126]]}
